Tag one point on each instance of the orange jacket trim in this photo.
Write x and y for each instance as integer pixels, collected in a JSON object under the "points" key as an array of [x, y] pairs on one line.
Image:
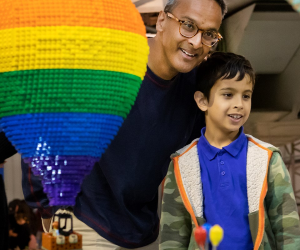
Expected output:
{"points": [[261, 211], [182, 192]]}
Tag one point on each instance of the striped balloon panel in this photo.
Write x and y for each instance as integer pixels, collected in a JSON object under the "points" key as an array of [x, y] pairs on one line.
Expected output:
{"points": [[78, 133], [67, 90], [61, 147], [61, 176], [73, 48]]}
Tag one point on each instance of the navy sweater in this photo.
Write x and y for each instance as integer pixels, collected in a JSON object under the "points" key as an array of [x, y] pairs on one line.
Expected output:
{"points": [[119, 198]]}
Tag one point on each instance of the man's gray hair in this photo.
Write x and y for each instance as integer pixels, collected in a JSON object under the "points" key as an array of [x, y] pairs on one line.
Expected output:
{"points": [[171, 4]]}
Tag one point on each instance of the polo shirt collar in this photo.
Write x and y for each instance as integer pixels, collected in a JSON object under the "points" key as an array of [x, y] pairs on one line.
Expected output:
{"points": [[233, 148]]}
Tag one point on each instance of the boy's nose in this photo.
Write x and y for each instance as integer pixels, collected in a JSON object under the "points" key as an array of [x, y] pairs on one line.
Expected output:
{"points": [[238, 107], [239, 104]]}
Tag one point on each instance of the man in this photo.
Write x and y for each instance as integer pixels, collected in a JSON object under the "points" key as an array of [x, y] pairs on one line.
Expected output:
{"points": [[119, 199]]}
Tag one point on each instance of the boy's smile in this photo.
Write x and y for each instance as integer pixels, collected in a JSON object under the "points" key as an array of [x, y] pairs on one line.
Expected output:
{"points": [[227, 108]]}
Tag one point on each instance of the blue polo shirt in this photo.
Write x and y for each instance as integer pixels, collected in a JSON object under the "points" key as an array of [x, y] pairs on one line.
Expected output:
{"points": [[223, 174]]}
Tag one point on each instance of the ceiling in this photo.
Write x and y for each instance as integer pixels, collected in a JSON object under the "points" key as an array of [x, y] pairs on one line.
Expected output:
{"points": [[260, 32], [267, 32]]}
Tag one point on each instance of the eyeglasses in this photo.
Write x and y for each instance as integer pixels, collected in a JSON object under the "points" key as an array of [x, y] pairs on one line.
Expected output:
{"points": [[189, 29]]}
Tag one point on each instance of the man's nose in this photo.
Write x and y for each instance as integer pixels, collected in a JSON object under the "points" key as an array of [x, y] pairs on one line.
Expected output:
{"points": [[196, 41]]}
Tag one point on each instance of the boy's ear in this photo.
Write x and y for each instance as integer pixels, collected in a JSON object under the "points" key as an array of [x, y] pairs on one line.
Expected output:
{"points": [[201, 100], [160, 21]]}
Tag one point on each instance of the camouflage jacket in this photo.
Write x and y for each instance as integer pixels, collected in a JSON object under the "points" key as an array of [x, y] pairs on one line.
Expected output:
{"points": [[273, 215]]}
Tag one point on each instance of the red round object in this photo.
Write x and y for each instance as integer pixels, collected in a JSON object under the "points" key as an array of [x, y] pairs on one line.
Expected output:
{"points": [[200, 236]]}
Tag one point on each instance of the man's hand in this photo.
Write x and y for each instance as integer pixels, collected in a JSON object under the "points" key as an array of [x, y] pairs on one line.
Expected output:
{"points": [[2, 165]]}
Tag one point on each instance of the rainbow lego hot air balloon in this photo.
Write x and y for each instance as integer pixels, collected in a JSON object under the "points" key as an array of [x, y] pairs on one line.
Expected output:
{"points": [[70, 71]]}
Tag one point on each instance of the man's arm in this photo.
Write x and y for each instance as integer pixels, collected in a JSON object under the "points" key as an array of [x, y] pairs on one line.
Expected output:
{"points": [[281, 206], [175, 225]]}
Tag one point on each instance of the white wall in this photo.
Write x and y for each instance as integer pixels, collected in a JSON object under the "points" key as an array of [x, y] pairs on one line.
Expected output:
{"points": [[13, 178]]}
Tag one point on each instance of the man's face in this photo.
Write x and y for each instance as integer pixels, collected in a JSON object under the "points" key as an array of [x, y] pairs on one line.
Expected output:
{"points": [[229, 105], [183, 54]]}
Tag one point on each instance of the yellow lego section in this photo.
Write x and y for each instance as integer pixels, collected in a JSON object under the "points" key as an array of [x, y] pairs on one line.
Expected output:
{"points": [[65, 47]]}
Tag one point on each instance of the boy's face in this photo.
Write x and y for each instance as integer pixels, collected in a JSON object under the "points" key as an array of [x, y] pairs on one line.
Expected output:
{"points": [[229, 104], [181, 54]]}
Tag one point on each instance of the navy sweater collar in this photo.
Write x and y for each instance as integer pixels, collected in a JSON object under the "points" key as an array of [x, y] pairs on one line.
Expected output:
{"points": [[159, 81]]}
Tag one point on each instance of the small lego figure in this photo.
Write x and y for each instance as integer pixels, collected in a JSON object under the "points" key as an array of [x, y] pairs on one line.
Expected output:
{"points": [[55, 228]]}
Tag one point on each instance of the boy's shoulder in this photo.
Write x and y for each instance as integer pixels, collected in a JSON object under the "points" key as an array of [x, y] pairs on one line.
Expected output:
{"points": [[185, 148], [261, 143]]}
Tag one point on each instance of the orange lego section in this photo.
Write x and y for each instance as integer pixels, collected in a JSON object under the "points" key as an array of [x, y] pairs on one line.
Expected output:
{"points": [[49, 242], [87, 13]]}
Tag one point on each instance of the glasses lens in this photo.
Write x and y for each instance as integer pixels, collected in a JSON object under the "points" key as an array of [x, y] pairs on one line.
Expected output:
{"points": [[209, 38], [188, 29]]}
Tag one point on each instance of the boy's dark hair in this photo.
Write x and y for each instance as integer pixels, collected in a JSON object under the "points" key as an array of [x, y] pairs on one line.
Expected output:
{"points": [[171, 4], [221, 65]]}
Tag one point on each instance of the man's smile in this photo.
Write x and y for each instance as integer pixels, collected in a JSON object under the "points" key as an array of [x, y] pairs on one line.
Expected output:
{"points": [[187, 53]]}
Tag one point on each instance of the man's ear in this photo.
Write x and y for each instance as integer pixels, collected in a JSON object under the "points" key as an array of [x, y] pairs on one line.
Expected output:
{"points": [[201, 100], [160, 21]]}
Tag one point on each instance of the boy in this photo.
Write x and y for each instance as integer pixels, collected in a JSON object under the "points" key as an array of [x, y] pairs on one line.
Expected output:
{"points": [[227, 177]]}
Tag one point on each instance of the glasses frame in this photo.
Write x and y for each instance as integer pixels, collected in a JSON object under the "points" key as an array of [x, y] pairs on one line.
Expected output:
{"points": [[170, 15]]}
